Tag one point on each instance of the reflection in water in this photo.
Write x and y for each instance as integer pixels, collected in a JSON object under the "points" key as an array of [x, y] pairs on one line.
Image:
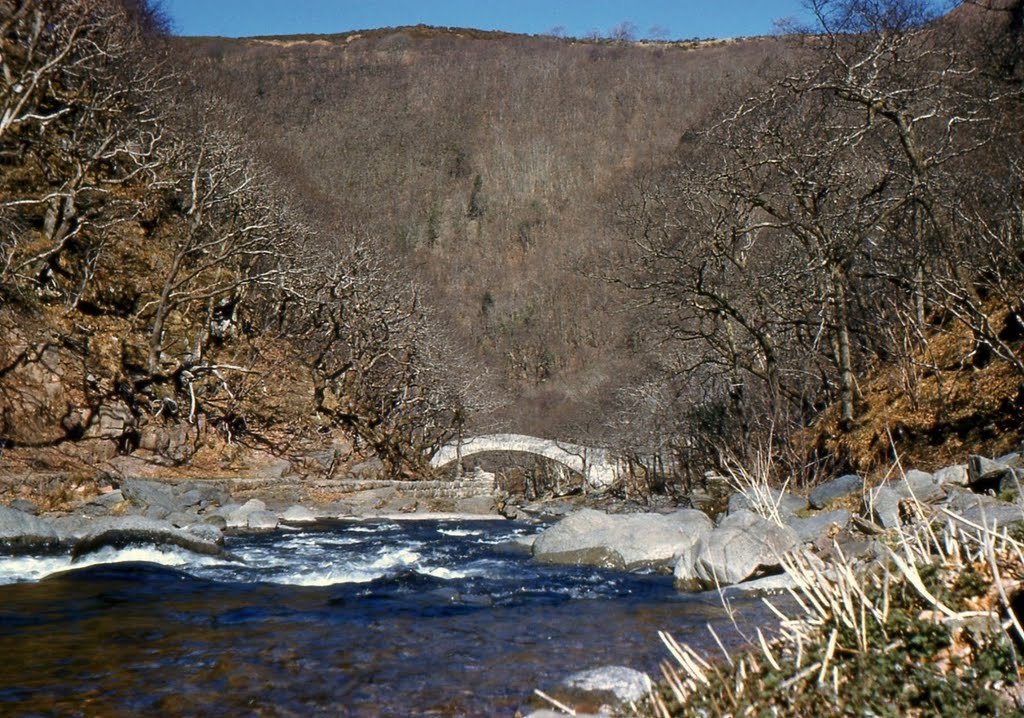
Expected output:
{"points": [[347, 619]]}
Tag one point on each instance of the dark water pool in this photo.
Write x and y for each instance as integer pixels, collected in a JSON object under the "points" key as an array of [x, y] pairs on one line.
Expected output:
{"points": [[412, 618]]}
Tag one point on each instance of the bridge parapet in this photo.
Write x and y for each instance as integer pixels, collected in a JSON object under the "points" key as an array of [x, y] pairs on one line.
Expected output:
{"points": [[596, 465]]}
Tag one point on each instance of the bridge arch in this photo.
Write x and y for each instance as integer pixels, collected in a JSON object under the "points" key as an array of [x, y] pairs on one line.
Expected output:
{"points": [[597, 466]]}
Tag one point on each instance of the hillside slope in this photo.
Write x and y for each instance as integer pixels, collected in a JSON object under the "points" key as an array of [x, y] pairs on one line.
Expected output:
{"points": [[489, 164]]}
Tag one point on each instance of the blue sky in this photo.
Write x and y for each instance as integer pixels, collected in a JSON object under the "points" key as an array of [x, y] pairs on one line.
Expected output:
{"points": [[673, 19]]}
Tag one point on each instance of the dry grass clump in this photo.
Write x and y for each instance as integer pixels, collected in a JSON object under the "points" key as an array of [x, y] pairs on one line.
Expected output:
{"points": [[933, 628]]}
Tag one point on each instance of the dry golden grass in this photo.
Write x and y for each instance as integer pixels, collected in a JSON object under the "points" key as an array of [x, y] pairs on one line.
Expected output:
{"points": [[929, 411]]}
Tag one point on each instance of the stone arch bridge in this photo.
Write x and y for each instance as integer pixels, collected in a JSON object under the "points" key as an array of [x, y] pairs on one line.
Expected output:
{"points": [[597, 466]]}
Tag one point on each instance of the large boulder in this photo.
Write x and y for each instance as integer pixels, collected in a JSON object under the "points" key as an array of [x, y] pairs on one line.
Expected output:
{"points": [[629, 541], [23, 532], [846, 485], [139, 531], [743, 545]]}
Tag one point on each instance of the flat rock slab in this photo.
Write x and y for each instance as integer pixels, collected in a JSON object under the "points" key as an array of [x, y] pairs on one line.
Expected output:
{"points": [[630, 541], [20, 531], [847, 485], [784, 502], [816, 527], [984, 510], [136, 530]]}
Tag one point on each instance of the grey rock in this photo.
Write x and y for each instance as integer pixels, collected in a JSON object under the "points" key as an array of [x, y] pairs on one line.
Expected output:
{"points": [[190, 498], [638, 540], [21, 531], [1013, 460], [25, 506], [157, 512], [985, 474], [882, 505], [262, 520], [206, 532], [626, 684], [216, 520], [764, 586], [226, 509], [1011, 482], [918, 485], [743, 544], [108, 500], [475, 505], [524, 543], [955, 475], [599, 556], [846, 485], [196, 493], [297, 514], [981, 467], [149, 494], [182, 519], [983, 510], [136, 530], [815, 528], [240, 517], [71, 528], [786, 503]]}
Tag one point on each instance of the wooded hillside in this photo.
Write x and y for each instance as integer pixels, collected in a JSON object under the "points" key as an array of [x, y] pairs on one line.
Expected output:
{"points": [[809, 243], [697, 247]]}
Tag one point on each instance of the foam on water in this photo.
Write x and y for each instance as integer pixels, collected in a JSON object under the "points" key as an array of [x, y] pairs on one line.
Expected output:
{"points": [[373, 528], [459, 532], [352, 553], [19, 569]]}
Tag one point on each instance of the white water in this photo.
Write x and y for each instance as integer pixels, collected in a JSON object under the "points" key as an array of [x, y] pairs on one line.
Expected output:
{"points": [[18, 569], [360, 553]]}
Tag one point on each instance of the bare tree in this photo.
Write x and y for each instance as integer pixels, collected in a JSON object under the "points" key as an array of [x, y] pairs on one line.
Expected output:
{"points": [[78, 113], [799, 223]]}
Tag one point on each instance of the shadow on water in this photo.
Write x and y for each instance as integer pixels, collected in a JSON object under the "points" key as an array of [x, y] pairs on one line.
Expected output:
{"points": [[456, 625]]}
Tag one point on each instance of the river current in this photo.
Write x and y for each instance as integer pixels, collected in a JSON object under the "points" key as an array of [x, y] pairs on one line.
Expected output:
{"points": [[344, 618]]}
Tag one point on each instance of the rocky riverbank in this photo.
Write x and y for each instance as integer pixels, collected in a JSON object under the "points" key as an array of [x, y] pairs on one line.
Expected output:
{"points": [[195, 514], [941, 539], [842, 517], [842, 524]]}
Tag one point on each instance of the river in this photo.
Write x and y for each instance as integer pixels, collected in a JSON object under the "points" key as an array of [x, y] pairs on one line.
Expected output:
{"points": [[343, 618]]}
